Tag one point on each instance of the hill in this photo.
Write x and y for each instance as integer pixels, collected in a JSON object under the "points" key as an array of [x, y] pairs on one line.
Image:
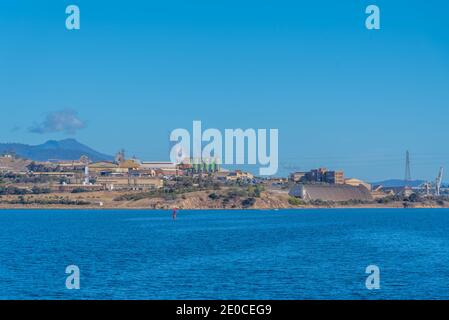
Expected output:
{"points": [[391, 183], [68, 149]]}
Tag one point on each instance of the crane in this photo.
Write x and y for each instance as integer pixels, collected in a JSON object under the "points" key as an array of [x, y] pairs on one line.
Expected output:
{"points": [[425, 187], [433, 188], [438, 182]]}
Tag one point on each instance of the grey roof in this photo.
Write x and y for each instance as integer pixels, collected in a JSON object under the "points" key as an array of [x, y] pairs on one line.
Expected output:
{"points": [[331, 192]]}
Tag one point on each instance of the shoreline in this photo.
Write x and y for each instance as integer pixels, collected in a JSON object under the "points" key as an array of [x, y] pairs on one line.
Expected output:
{"points": [[80, 208], [196, 200]]}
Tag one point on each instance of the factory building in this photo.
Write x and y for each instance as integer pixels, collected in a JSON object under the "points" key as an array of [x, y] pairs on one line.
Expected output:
{"points": [[320, 175], [125, 183], [238, 175], [328, 192], [334, 177], [103, 168], [208, 165], [357, 182], [160, 168]]}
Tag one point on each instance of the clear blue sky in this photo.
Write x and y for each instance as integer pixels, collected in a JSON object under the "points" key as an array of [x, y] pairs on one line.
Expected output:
{"points": [[341, 96]]}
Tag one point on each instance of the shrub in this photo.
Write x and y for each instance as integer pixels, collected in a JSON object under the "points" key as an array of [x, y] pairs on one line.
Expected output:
{"points": [[79, 190], [13, 191], [214, 196], [37, 190], [414, 197], [319, 202], [255, 191], [384, 200], [248, 202], [295, 201]]}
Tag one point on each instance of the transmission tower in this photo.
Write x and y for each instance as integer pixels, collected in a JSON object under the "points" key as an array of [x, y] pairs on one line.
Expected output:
{"points": [[408, 176]]}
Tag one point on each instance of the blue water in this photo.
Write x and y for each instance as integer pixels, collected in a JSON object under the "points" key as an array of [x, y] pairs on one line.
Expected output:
{"points": [[286, 254]]}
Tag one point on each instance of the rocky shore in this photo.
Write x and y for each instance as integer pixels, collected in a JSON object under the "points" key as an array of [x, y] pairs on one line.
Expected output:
{"points": [[222, 199]]}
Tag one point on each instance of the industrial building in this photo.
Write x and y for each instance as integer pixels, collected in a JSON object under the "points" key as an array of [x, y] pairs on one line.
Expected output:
{"points": [[160, 168], [319, 175], [329, 192], [356, 182], [121, 183], [239, 175]]}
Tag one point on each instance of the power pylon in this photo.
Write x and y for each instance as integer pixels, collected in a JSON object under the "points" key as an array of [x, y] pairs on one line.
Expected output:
{"points": [[408, 176]]}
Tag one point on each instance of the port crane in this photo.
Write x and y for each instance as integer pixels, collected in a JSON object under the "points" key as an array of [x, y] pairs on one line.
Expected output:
{"points": [[438, 182], [427, 187]]}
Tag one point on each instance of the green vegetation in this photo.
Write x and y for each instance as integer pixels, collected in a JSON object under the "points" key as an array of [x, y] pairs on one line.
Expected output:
{"points": [[79, 190], [38, 167], [11, 190], [296, 201], [385, 200], [353, 202], [255, 190], [214, 196], [165, 194], [183, 185], [39, 190], [414, 197], [250, 191], [321, 203], [26, 178], [47, 201], [248, 202], [234, 194]]}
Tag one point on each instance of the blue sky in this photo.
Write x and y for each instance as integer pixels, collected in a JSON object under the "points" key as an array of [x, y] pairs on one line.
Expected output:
{"points": [[341, 96]]}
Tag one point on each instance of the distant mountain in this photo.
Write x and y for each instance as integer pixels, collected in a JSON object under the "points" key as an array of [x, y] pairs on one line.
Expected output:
{"points": [[68, 149], [398, 183]]}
